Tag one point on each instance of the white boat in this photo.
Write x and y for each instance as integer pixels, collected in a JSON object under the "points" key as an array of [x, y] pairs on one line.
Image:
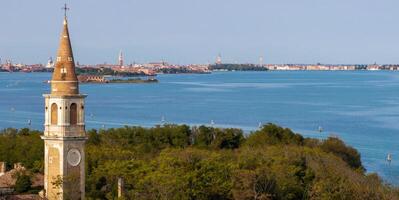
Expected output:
{"points": [[389, 157], [163, 120]]}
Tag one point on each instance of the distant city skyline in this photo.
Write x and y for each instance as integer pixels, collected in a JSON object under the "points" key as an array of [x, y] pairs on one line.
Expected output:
{"points": [[182, 32]]}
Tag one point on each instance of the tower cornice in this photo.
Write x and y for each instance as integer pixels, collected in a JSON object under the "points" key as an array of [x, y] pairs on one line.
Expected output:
{"points": [[65, 96], [64, 138]]}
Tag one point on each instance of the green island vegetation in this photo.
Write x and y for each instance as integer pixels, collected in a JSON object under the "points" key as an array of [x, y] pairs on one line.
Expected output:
{"points": [[182, 162], [132, 80], [106, 72], [181, 70], [237, 67]]}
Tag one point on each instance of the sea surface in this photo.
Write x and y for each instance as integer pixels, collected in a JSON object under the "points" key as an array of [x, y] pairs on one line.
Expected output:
{"points": [[360, 107]]}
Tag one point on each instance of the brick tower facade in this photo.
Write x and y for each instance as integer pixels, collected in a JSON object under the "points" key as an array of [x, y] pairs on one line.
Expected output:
{"points": [[64, 134]]}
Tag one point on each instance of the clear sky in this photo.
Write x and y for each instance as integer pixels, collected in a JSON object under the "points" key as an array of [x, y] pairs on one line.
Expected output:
{"points": [[195, 31]]}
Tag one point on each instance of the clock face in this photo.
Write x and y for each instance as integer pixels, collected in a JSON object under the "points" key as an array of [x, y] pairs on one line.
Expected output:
{"points": [[74, 157]]}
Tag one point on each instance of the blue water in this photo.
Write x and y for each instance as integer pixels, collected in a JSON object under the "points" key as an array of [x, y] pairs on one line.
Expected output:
{"points": [[360, 107]]}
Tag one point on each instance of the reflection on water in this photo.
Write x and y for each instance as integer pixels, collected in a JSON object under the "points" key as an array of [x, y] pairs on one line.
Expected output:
{"points": [[359, 107]]}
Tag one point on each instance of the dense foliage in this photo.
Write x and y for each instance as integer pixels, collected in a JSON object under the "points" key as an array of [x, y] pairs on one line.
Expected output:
{"points": [[237, 67], [23, 183], [181, 162], [106, 71], [133, 80], [22, 146], [180, 70]]}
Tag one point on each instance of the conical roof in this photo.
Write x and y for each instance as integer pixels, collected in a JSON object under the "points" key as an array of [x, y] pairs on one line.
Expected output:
{"points": [[64, 81]]}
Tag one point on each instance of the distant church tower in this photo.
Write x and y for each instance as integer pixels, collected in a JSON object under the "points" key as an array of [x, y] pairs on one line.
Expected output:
{"points": [[64, 134], [261, 61], [120, 59], [50, 63], [219, 59]]}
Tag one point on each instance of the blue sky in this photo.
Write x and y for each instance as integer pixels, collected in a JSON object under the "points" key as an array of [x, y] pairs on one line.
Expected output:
{"points": [[195, 31]]}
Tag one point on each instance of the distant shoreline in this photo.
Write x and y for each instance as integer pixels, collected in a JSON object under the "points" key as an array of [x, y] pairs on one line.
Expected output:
{"points": [[232, 71], [129, 81]]}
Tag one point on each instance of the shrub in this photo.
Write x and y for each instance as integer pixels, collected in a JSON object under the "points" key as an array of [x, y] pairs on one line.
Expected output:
{"points": [[350, 155], [272, 134], [23, 183]]}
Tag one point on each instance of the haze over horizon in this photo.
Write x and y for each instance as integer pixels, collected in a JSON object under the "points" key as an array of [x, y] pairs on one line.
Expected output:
{"points": [[179, 31]]}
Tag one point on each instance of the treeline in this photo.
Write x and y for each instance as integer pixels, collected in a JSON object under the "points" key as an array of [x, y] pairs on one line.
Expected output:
{"points": [[180, 70], [106, 71], [237, 67], [182, 162]]}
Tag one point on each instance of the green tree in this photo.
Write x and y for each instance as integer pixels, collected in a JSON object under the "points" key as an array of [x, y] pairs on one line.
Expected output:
{"points": [[23, 183], [347, 153], [272, 134], [203, 136]]}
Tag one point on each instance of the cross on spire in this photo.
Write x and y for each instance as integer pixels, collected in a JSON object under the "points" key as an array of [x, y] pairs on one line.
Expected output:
{"points": [[65, 8]]}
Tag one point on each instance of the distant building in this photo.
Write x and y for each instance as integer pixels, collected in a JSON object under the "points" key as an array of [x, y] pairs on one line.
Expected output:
{"points": [[317, 67], [8, 66], [91, 78], [8, 179], [2, 168], [160, 64], [373, 67], [120, 59], [219, 59], [50, 63], [260, 61]]}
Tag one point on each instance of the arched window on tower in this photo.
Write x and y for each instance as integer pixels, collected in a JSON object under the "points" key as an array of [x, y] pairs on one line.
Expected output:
{"points": [[54, 114], [73, 114]]}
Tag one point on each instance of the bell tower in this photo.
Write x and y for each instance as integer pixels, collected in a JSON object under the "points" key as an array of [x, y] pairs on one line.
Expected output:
{"points": [[64, 134]]}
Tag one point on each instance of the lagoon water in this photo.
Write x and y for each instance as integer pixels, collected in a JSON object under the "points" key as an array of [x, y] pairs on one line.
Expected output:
{"points": [[360, 107]]}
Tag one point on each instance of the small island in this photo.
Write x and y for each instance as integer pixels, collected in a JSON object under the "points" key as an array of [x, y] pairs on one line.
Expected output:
{"points": [[133, 80], [104, 75], [114, 79]]}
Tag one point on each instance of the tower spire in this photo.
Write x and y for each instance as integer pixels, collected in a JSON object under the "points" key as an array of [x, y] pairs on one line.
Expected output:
{"points": [[120, 58], [65, 8], [64, 81]]}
